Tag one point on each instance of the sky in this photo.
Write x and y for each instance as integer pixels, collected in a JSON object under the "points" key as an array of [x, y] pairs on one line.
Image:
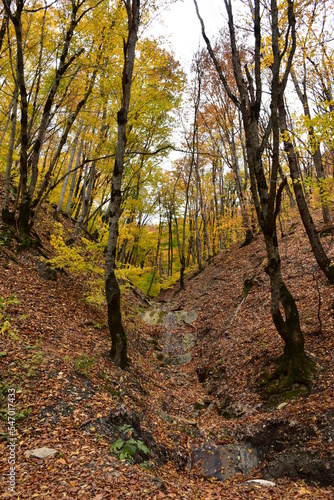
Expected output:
{"points": [[180, 25]]}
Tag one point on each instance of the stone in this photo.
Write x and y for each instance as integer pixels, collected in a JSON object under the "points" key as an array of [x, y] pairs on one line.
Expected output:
{"points": [[201, 405], [159, 484], [187, 317], [42, 452], [186, 421], [280, 406], [45, 271], [191, 317], [261, 482], [224, 462], [153, 342], [154, 316], [182, 359], [114, 473], [189, 342]]}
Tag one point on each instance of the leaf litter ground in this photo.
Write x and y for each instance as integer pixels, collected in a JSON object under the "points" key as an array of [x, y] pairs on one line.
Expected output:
{"points": [[63, 403]]}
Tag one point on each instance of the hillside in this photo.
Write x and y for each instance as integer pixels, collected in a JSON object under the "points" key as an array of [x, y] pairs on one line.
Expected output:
{"points": [[192, 386]]}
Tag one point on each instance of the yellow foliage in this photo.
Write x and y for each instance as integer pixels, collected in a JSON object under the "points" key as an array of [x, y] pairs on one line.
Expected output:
{"points": [[322, 190]]}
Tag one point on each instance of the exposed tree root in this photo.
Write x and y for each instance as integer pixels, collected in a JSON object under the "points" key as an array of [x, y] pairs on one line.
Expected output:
{"points": [[290, 372]]}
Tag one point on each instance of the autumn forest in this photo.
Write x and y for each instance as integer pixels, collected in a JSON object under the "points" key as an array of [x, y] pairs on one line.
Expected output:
{"points": [[167, 257]]}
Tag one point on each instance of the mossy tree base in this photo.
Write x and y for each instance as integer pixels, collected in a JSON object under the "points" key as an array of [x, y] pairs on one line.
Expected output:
{"points": [[292, 376]]}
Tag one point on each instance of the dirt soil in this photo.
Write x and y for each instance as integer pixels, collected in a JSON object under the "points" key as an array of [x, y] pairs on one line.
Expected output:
{"points": [[70, 397]]}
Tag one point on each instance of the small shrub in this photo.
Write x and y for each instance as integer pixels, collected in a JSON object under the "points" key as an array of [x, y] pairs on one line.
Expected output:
{"points": [[82, 364], [127, 448], [6, 328]]}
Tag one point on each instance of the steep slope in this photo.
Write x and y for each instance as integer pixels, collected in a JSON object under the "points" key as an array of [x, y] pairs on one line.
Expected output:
{"points": [[68, 396]]}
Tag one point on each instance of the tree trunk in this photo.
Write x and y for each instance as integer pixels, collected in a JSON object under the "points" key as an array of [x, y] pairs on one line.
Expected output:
{"points": [[183, 246], [69, 168], [322, 259], [244, 214], [315, 146], [85, 201], [155, 264], [198, 237], [295, 366], [7, 216], [46, 181], [118, 351], [74, 176], [23, 220], [59, 73]]}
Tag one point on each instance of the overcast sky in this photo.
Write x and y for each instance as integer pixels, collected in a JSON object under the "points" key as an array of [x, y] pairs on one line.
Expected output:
{"points": [[180, 25]]}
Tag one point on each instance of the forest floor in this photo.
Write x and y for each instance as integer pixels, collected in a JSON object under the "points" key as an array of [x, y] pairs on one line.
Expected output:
{"points": [[69, 396]]}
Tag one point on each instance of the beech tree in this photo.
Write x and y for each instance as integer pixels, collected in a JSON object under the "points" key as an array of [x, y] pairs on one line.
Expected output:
{"points": [[42, 94], [118, 351], [294, 365]]}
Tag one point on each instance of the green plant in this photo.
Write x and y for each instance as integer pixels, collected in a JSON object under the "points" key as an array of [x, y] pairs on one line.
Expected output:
{"points": [[97, 325], [127, 448], [19, 414], [82, 364], [146, 465], [36, 359], [6, 328], [12, 299]]}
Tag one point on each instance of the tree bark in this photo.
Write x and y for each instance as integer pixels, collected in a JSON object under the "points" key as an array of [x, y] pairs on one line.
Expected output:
{"points": [[74, 176], [23, 221], [7, 216], [324, 262], [85, 201], [315, 147], [69, 168], [118, 351]]}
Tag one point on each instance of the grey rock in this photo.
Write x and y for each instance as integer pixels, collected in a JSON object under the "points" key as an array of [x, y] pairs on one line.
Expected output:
{"points": [[280, 406], [42, 452], [154, 316], [46, 271], [159, 484], [114, 473], [182, 359], [223, 462], [189, 342], [201, 405], [261, 482]]}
